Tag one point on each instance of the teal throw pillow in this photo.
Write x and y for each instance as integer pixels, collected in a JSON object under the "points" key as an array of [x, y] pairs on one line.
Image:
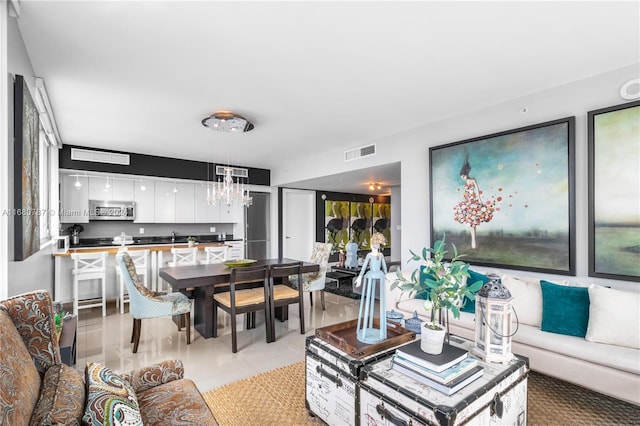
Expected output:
{"points": [[470, 305], [424, 295], [565, 309]]}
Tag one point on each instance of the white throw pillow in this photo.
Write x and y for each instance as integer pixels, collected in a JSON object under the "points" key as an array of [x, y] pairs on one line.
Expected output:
{"points": [[527, 299], [614, 317]]}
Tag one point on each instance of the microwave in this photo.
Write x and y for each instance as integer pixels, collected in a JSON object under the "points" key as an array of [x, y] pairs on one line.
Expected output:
{"points": [[111, 210]]}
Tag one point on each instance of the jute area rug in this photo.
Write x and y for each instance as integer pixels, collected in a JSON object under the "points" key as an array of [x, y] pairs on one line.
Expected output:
{"points": [[277, 398]]}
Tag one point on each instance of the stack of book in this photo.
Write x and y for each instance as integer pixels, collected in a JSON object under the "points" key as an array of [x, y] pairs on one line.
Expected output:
{"points": [[447, 372]]}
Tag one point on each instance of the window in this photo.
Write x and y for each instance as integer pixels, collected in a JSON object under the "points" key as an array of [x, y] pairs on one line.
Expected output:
{"points": [[44, 182]]}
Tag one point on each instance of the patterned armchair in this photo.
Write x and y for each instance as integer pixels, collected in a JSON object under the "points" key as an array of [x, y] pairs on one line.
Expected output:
{"points": [[37, 389], [315, 281]]}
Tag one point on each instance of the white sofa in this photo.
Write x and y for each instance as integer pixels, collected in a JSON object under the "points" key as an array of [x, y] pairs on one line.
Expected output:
{"points": [[611, 369]]}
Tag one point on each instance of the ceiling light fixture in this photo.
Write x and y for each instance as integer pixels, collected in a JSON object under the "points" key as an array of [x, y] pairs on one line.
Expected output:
{"points": [[224, 121], [77, 184], [375, 185], [142, 187], [228, 192]]}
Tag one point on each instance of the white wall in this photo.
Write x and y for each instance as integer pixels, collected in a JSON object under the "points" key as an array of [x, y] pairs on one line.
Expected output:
{"points": [[35, 272], [411, 149]]}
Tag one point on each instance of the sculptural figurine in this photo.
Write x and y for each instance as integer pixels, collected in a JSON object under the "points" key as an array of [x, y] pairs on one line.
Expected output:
{"points": [[366, 332], [351, 260]]}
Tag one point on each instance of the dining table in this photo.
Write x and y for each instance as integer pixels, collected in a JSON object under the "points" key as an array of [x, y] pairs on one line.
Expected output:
{"points": [[200, 282]]}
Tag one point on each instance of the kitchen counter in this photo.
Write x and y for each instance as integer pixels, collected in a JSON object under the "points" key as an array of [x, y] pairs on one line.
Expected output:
{"points": [[158, 246], [108, 242], [113, 249]]}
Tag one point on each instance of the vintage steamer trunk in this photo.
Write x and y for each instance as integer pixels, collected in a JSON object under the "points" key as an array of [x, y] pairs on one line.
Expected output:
{"points": [[332, 381], [499, 397]]}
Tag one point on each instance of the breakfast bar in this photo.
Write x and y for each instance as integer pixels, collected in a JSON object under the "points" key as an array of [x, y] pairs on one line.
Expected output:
{"points": [[63, 266]]}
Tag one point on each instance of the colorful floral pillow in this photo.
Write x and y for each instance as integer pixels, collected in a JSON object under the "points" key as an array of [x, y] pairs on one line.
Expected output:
{"points": [[110, 399]]}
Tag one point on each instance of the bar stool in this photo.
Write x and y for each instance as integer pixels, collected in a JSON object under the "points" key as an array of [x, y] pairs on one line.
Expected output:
{"points": [[184, 256], [90, 266], [215, 255], [181, 257], [140, 259]]}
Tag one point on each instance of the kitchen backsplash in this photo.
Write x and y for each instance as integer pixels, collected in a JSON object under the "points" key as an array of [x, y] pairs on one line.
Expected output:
{"points": [[111, 229]]}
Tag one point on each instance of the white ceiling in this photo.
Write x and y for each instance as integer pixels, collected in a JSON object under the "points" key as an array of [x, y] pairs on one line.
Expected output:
{"points": [[140, 76]]}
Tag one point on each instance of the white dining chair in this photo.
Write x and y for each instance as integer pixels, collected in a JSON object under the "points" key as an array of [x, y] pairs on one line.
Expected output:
{"points": [[90, 266], [215, 255]]}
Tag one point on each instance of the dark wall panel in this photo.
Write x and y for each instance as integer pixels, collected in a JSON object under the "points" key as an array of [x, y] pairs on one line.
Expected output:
{"points": [[152, 165]]}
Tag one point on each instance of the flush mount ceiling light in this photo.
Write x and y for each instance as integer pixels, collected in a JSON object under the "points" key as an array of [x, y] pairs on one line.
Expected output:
{"points": [[374, 185], [224, 121]]}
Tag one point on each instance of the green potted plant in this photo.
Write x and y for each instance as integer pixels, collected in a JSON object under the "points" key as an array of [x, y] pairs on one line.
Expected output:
{"points": [[443, 285], [191, 241]]}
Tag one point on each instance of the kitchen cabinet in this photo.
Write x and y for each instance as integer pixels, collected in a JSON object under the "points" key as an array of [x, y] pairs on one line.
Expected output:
{"points": [[205, 213], [236, 250], [74, 200], [165, 202], [185, 203], [232, 214], [109, 188], [145, 202]]}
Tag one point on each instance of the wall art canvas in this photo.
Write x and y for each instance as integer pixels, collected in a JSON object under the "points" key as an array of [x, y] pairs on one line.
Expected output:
{"points": [[361, 223], [382, 221], [26, 172], [336, 216], [614, 192], [507, 199]]}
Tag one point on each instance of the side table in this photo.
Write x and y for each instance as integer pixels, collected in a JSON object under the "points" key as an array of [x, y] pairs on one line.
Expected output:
{"points": [[68, 340]]}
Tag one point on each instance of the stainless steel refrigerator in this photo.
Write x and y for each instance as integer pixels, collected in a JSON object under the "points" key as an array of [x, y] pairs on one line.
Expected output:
{"points": [[257, 221]]}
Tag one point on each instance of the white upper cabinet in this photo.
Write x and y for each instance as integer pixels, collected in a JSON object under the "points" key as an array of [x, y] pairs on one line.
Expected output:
{"points": [[232, 214], [165, 202], [156, 201], [185, 203], [74, 199], [122, 189], [110, 188], [144, 196]]}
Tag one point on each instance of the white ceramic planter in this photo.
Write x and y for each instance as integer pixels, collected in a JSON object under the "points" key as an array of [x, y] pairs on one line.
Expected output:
{"points": [[432, 341]]}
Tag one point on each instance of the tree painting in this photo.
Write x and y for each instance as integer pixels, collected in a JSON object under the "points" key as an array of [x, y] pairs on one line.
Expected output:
{"points": [[507, 199]]}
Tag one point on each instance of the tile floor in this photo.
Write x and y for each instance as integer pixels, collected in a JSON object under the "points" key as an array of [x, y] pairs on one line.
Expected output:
{"points": [[208, 362]]}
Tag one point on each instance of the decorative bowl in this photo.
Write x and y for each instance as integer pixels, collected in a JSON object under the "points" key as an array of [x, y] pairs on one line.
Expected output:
{"points": [[239, 263]]}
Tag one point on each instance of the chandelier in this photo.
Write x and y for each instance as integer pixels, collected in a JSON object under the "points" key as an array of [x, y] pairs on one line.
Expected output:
{"points": [[227, 192]]}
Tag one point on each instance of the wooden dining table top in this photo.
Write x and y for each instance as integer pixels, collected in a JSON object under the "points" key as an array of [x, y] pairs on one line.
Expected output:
{"points": [[187, 276]]}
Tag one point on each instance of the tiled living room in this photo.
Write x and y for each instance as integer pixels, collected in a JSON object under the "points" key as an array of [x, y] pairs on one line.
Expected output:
{"points": [[178, 130]]}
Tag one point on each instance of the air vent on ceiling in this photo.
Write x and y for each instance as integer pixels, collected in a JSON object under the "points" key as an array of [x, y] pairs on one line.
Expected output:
{"points": [[99, 156], [235, 171], [363, 151]]}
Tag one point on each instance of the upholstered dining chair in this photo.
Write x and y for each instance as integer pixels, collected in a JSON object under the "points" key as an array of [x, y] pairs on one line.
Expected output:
{"points": [[144, 303], [140, 259], [282, 295], [215, 255], [315, 281], [243, 301]]}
